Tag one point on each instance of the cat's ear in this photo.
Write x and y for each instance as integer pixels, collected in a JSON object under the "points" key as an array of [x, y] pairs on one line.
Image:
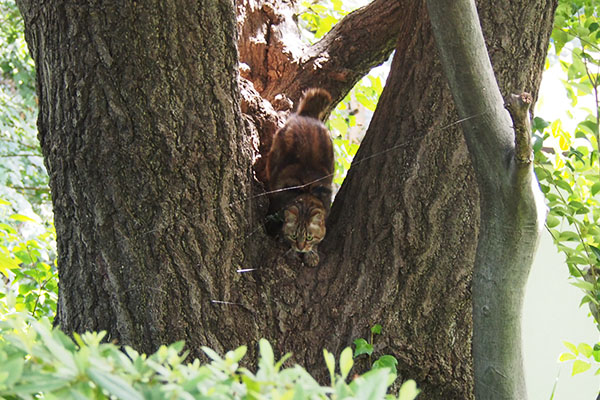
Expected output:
{"points": [[318, 217], [290, 215]]}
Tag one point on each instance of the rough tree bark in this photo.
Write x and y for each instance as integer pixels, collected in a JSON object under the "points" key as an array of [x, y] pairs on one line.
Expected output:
{"points": [[154, 148]]}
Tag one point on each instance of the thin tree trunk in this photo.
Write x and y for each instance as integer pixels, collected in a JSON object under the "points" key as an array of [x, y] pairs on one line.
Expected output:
{"points": [[512, 205]]}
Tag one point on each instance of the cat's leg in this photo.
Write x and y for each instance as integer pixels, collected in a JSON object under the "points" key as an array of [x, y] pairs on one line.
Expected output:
{"points": [[311, 258]]}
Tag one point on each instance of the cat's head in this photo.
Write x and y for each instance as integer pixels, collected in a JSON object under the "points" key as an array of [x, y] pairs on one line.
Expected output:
{"points": [[304, 224]]}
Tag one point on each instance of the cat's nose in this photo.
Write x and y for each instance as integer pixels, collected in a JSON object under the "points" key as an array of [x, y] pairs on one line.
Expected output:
{"points": [[301, 244]]}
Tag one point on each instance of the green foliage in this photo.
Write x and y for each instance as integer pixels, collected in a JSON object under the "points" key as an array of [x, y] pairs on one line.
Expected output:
{"points": [[361, 346], [567, 162], [23, 178], [583, 357], [28, 280], [36, 359], [16, 66], [346, 130]]}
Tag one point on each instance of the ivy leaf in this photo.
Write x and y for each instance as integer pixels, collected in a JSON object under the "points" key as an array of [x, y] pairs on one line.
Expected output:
{"points": [[386, 361], [362, 347], [376, 329], [539, 124]]}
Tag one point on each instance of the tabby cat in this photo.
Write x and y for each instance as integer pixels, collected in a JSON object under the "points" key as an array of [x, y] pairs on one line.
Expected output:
{"points": [[301, 158]]}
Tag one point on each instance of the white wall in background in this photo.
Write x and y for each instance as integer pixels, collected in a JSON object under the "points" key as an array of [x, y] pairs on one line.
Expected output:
{"points": [[551, 314]]}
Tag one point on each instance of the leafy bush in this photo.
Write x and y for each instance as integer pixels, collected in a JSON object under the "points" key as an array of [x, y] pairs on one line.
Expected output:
{"points": [[37, 359]]}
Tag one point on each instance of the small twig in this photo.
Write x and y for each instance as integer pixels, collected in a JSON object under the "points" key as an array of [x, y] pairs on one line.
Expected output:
{"points": [[36, 188], [594, 83], [40, 294], [20, 155], [29, 146], [518, 107]]}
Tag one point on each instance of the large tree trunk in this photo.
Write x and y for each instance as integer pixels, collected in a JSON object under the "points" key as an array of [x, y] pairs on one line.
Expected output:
{"points": [[158, 213]]}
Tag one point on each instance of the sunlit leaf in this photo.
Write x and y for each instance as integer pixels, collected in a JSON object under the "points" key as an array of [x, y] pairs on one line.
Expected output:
{"points": [[566, 357], [580, 366]]}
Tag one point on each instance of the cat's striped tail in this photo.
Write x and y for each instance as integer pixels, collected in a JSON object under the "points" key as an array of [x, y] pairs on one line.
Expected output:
{"points": [[313, 103]]}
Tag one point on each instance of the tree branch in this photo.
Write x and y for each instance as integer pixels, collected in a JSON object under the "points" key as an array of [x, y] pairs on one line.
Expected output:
{"points": [[363, 39], [518, 107]]}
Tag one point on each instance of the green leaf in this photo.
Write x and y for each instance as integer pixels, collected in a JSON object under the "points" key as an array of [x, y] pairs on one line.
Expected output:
{"points": [[39, 383], [560, 38], [552, 221], [239, 353], [583, 285], [22, 218], [372, 385], [365, 101], [346, 362], [376, 329], [266, 352], [580, 366], [57, 349], [590, 126], [113, 384], [539, 124], [572, 348], [14, 369], [330, 362], [564, 185], [7, 263], [408, 390], [585, 349], [362, 347], [211, 353], [566, 357], [386, 361], [283, 359], [596, 252]]}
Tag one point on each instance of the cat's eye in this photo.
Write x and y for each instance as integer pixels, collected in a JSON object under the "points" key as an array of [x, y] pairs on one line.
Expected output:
{"points": [[293, 236], [309, 237]]}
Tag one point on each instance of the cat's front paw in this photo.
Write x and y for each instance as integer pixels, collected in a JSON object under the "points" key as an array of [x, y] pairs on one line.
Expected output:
{"points": [[311, 258]]}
